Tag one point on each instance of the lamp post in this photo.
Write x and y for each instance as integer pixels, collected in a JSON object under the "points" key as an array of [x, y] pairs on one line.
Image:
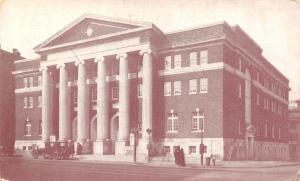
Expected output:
{"points": [[149, 131], [202, 148], [135, 132]]}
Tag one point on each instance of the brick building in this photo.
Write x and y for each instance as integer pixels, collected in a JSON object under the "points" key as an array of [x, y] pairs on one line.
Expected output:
{"points": [[294, 129], [208, 83], [7, 113]]}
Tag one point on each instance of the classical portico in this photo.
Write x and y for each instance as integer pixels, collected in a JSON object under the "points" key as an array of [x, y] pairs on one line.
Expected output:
{"points": [[99, 49]]}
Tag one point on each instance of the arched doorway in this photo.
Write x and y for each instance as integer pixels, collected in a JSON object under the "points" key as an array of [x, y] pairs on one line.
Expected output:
{"points": [[74, 129], [114, 130], [93, 128]]}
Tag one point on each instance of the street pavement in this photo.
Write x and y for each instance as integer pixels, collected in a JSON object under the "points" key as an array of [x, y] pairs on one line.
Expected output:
{"points": [[28, 169]]}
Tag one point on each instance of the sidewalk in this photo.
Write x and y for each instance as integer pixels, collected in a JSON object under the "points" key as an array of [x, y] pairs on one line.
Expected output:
{"points": [[190, 163], [169, 162]]}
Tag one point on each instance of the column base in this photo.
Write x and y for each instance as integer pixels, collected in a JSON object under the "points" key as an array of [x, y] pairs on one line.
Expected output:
{"points": [[143, 146], [121, 147], [142, 151], [102, 147]]}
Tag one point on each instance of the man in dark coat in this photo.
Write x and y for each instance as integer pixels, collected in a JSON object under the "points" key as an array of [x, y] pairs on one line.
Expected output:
{"points": [[79, 149], [181, 157]]}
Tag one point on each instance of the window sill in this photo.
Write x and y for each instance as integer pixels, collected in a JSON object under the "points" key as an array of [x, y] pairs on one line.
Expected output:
{"points": [[197, 131], [192, 92], [178, 94], [167, 95], [172, 132], [202, 92], [27, 135]]}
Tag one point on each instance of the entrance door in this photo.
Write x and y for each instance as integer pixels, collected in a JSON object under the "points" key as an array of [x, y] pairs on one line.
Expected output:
{"points": [[114, 131], [93, 129]]}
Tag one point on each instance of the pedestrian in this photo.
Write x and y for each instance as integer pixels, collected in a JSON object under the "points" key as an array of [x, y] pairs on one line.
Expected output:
{"points": [[181, 157], [79, 149], [176, 155], [213, 160]]}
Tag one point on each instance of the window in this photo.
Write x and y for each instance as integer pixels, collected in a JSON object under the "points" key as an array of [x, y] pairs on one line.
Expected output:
{"points": [[140, 90], [40, 127], [279, 110], [240, 65], [39, 101], [273, 130], [257, 99], [279, 132], [75, 97], [273, 106], [25, 82], [266, 129], [257, 76], [177, 88], [94, 94], [240, 128], [203, 85], [30, 102], [115, 93], [168, 63], [25, 102], [177, 61], [30, 81], [27, 127], [193, 59], [198, 121], [192, 149], [203, 57], [240, 90], [172, 122], [39, 80], [193, 86], [167, 89]]}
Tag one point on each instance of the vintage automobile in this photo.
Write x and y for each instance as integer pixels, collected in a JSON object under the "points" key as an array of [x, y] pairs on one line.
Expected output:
{"points": [[53, 150]]}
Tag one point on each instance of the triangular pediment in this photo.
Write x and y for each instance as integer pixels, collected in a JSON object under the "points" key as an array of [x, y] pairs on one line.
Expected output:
{"points": [[89, 27]]}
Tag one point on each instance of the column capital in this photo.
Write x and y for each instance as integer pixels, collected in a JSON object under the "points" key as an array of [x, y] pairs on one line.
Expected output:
{"points": [[124, 55], [61, 65], [43, 68], [78, 61], [148, 51], [99, 59]]}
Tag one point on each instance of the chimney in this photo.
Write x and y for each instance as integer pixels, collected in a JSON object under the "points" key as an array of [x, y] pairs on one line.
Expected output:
{"points": [[16, 53]]}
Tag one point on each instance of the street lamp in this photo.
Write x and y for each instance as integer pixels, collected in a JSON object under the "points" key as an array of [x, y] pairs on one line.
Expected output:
{"points": [[149, 131]]}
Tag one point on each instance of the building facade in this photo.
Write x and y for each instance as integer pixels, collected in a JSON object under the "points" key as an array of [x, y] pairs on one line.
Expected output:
{"points": [[99, 78], [7, 99], [294, 129]]}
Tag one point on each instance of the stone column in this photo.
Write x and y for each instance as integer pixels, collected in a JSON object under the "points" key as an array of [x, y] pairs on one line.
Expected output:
{"points": [[64, 104], [123, 104], [82, 105], [146, 99], [101, 144], [46, 104]]}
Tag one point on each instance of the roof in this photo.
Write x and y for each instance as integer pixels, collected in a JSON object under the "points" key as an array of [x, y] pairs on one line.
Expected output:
{"points": [[96, 17]]}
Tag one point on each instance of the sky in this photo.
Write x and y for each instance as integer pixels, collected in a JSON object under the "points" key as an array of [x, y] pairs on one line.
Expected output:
{"points": [[273, 24]]}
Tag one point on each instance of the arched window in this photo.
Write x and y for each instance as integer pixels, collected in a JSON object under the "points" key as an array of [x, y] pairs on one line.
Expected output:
{"points": [[198, 121], [27, 127], [172, 122]]}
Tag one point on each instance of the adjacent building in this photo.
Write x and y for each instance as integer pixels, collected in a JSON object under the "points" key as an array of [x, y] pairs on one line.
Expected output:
{"points": [[7, 105], [100, 78], [294, 129]]}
